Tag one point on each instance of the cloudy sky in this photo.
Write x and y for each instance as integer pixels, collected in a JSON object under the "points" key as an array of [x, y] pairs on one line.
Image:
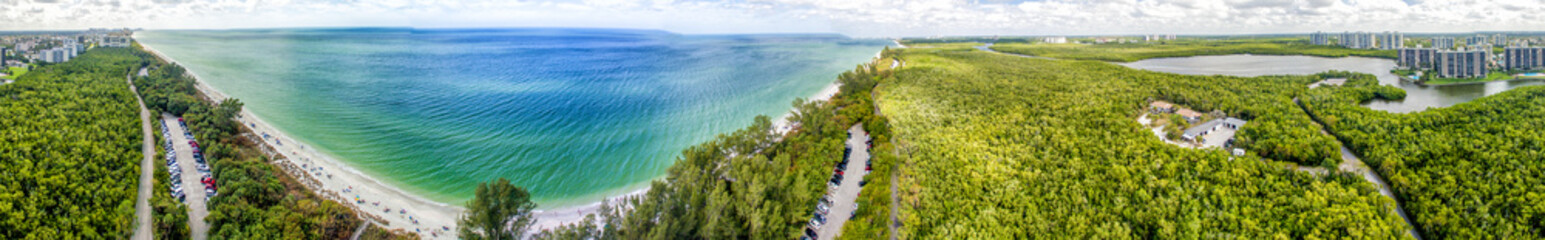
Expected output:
{"points": [[860, 18]]}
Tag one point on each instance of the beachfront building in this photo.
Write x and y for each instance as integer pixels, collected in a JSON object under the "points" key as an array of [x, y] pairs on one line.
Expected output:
{"points": [[1055, 40], [1462, 63], [1159, 37], [1391, 40], [1442, 42], [1358, 40], [1416, 58], [1319, 38], [1521, 58], [115, 41]]}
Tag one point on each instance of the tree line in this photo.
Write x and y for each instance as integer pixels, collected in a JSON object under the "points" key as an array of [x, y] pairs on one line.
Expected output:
{"points": [[1472, 170], [256, 200], [997, 146], [70, 143]]}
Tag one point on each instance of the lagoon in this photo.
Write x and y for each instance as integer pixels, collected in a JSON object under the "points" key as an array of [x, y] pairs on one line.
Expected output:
{"points": [[1418, 97]]}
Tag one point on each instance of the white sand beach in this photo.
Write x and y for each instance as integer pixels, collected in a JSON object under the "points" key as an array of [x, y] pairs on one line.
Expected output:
{"points": [[385, 205]]}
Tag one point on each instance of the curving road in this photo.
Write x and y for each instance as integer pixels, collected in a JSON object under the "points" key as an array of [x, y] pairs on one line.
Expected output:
{"points": [[142, 210]]}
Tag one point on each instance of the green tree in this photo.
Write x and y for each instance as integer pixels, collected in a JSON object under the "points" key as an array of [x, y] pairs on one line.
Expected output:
{"points": [[499, 211]]}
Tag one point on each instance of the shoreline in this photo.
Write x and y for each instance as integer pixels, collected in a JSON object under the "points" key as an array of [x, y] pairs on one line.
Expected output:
{"points": [[334, 179]]}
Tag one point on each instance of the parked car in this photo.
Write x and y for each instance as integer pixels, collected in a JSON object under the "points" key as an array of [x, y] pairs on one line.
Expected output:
{"points": [[810, 233], [817, 221], [822, 208]]}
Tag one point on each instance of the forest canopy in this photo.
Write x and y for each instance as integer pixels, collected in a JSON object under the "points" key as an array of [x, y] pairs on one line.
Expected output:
{"points": [[999, 146], [1473, 170], [70, 146]]}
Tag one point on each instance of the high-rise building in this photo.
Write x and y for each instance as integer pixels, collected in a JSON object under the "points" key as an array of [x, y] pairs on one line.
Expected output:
{"points": [[1055, 40], [1391, 40], [1477, 40], [1462, 63], [1498, 40], [3, 52], [1319, 38], [1524, 58], [1442, 42], [1358, 40], [1416, 58], [46, 55]]}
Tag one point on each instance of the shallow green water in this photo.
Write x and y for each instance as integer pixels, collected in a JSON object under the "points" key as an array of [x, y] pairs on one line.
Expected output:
{"points": [[574, 115]]}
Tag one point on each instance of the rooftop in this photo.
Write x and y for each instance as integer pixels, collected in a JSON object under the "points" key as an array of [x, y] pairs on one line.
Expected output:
{"points": [[1199, 128], [1186, 112], [1234, 121]]}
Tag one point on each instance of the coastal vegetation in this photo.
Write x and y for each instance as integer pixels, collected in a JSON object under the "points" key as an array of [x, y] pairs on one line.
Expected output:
{"points": [[1467, 171], [999, 146], [1129, 52], [256, 200], [170, 216], [498, 211], [70, 148], [752, 183]]}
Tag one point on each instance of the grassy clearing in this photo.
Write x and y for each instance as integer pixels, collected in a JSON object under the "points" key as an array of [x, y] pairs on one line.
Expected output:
{"points": [[1493, 76], [14, 73]]}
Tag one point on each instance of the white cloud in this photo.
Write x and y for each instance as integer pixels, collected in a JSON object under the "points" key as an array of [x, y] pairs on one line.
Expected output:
{"points": [[852, 17]]}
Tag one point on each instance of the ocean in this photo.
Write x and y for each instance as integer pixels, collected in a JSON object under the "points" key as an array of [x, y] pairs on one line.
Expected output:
{"points": [[573, 115]]}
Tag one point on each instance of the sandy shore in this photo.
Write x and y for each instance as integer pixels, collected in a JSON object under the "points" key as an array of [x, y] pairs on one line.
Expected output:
{"points": [[781, 124], [336, 180]]}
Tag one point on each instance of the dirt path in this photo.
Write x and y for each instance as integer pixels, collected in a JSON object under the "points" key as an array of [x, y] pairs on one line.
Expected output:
{"points": [[845, 199], [191, 184], [142, 221], [360, 230]]}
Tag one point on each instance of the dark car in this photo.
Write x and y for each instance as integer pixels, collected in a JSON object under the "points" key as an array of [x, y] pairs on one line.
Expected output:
{"points": [[810, 233]]}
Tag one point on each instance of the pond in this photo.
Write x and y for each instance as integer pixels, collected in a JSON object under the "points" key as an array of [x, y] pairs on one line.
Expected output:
{"points": [[1418, 97]]}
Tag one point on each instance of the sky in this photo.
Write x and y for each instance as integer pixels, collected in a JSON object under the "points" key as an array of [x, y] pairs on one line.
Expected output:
{"points": [[857, 18]]}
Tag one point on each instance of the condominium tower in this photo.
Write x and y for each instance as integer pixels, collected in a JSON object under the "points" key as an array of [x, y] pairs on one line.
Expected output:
{"points": [[1524, 58]]}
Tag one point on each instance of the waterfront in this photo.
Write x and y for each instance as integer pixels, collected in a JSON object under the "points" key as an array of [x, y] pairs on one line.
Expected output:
{"points": [[575, 115], [1418, 97]]}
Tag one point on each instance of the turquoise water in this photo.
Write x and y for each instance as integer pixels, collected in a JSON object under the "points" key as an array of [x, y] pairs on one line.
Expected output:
{"points": [[574, 115]]}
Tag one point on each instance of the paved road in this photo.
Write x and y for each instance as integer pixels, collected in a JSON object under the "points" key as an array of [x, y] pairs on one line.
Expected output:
{"points": [[191, 185], [847, 193], [988, 48], [143, 223], [1351, 163]]}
